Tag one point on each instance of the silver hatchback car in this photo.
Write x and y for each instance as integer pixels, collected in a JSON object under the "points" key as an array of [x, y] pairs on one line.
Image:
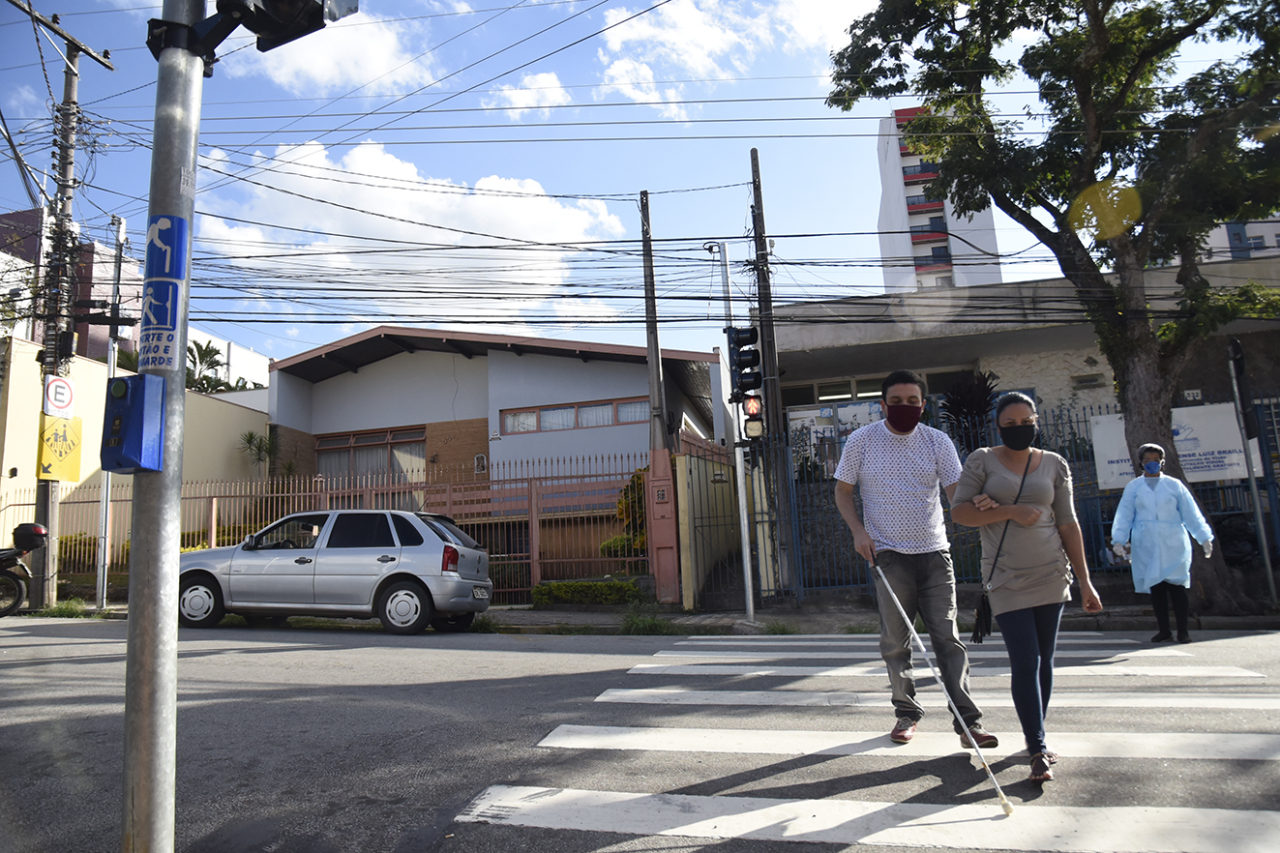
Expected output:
{"points": [[408, 569]]}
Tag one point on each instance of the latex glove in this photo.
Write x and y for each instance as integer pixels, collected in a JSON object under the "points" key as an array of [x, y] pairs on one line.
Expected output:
{"points": [[1208, 548], [1121, 550]]}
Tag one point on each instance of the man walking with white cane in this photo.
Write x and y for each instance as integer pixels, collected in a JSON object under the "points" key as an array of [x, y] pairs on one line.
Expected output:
{"points": [[898, 467]]}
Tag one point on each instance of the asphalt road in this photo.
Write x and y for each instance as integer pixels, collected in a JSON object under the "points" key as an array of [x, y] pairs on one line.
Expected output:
{"points": [[341, 740]]}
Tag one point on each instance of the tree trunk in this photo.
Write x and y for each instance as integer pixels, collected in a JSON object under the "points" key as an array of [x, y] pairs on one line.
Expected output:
{"points": [[1147, 381]]}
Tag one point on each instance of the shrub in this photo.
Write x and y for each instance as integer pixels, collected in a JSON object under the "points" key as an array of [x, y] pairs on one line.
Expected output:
{"points": [[605, 591]]}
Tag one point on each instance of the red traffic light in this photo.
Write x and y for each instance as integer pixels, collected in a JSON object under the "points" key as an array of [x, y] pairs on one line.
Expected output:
{"points": [[753, 408]]}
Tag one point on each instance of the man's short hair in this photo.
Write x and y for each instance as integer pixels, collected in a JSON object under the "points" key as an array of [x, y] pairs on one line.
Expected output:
{"points": [[902, 377]]}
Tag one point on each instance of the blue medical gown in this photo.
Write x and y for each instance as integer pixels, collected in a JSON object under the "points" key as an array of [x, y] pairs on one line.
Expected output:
{"points": [[1155, 523]]}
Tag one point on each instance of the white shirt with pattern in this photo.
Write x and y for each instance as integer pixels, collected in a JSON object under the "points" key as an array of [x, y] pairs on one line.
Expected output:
{"points": [[899, 477]]}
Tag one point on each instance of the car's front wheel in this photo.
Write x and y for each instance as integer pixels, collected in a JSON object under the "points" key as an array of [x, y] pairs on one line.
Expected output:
{"points": [[200, 602], [453, 622], [404, 608]]}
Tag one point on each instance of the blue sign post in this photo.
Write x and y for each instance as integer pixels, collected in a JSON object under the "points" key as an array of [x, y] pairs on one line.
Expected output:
{"points": [[164, 272]]}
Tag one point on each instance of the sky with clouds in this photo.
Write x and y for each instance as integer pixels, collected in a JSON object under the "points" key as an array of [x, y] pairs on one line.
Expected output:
{"points": [[479, 165]]}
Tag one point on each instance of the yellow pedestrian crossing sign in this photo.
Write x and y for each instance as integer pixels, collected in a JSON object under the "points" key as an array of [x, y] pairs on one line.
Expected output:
{"points": [[59, 454]]}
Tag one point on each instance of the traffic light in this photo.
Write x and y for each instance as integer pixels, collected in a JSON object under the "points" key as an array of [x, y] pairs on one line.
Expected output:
{"points": [[277, 22], [753, 410], [743, 359]]}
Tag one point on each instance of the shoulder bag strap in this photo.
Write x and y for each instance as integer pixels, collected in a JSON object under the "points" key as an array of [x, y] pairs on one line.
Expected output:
{"points": [[986, 584]]}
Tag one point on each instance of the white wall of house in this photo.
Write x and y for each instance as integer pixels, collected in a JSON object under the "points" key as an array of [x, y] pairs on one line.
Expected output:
{"points": [[537, 380], [289, 401], [411, 388], [239, 362]]}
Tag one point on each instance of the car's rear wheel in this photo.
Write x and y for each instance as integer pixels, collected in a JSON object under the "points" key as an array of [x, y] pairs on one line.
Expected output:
{"points": [[200, 602], [453, 622], [404, 608]]}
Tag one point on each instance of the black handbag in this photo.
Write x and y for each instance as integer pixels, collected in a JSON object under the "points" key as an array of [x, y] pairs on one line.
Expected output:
{"points": [[982, 614]]}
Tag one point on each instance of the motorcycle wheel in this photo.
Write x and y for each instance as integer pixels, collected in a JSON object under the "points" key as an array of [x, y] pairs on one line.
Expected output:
{"points": [[13, 591]]}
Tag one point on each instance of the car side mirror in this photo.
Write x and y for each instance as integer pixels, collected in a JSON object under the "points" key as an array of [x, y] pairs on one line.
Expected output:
{"points": [[249, 544]]}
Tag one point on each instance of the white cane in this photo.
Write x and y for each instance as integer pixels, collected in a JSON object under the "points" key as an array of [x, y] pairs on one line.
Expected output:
{"points": [[1004, 801]]}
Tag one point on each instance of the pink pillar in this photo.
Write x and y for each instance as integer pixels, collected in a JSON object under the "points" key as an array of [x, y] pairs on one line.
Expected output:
{"points": [[661, 527]]}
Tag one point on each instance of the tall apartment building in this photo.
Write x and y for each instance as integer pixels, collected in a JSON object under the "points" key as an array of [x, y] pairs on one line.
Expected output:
{"points": [[925, 244]]}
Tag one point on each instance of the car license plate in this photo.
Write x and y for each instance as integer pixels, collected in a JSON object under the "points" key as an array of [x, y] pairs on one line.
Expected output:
{"points": [[479, 592]]}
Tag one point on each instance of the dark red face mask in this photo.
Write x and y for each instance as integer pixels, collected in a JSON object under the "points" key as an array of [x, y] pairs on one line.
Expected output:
{"points": [[903, 418]]}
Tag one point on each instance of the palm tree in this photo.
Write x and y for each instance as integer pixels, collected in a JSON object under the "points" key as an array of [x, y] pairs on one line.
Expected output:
{"points": [[966, 407], [203, 363]]}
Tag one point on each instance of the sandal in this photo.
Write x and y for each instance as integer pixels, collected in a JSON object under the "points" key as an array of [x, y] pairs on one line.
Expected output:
{"points": [[1050, 756], [1040, 768]]}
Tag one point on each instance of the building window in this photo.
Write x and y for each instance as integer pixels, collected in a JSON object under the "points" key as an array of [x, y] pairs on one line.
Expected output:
{"points": [[834, 391], [575, 416], [396, 451]]}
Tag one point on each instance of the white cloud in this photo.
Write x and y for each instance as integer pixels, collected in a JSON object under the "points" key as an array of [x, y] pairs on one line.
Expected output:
{"points": [[823, 24], [426, 273], [363, 51], [535, 93], [635, 81]]}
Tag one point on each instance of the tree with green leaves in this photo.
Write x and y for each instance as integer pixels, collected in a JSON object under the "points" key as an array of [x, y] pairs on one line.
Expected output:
{"points": [[203, 363], [1128, 162]]}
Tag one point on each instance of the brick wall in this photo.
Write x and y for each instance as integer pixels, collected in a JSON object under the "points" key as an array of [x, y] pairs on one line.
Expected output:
{"points": [[453, 445], [295, 447]]}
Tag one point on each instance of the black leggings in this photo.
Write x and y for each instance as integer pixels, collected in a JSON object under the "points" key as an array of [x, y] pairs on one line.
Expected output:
{"points": [[1161, 594]]}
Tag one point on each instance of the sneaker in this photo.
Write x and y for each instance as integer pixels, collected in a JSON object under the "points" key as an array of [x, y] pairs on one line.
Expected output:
{"points": [[1184, 637], [984, 738], [903, 730], [1040, 769]]}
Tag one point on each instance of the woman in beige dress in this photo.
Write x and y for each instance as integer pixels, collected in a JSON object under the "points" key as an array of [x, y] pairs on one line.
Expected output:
{"points": [[1021, 498]]}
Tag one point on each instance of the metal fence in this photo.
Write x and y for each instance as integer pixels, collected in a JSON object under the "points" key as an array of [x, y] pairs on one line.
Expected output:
{"points": [[823, 556], [557, 519]]}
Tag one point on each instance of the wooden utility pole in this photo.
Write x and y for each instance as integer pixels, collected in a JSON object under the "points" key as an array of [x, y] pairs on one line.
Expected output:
{"points": [[662, 532], [773, 413]]}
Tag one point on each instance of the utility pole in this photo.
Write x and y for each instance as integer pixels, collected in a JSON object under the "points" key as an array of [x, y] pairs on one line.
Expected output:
{"points": [[113, 344], [59, 288], [739, 454], [661, 531], [768, 347], [777, 455]]}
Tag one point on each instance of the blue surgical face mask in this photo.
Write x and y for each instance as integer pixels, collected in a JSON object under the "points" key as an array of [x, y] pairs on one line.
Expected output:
{"points": [[1152, 467]]}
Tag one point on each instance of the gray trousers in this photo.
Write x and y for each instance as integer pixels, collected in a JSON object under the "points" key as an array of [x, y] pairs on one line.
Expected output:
{"points": [[925, 585]]}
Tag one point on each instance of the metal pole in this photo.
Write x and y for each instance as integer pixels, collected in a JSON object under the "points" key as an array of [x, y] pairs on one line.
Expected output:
{"points": [[1248, 466], [151, 694], [739, 455], [104, 500]]}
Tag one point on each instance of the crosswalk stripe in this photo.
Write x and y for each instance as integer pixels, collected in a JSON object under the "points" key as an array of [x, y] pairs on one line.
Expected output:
{"points": [[852, 654], [1065, 670], [1163, 745], [935, 699], [983, 826], [874, 640], [876, 669]]}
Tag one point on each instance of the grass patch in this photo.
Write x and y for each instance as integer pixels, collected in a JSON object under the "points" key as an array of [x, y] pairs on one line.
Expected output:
{"points": [[483, 624], [644, 620], [860, 629], [71, 608], [773, 626]]}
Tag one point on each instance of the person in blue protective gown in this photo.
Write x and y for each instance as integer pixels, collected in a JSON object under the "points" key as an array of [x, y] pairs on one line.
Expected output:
{"points": [[1155, 514]]}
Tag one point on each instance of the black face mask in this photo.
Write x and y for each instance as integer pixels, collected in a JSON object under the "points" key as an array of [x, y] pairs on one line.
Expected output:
{"points": [[1018, 437]]}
